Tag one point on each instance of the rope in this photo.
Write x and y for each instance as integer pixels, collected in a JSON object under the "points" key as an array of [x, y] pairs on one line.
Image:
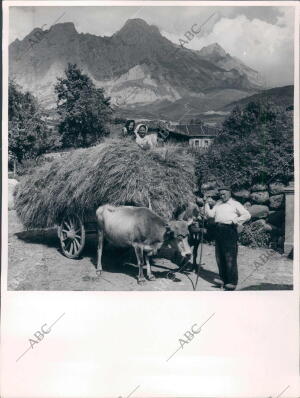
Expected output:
{"points": [[201, 249]]}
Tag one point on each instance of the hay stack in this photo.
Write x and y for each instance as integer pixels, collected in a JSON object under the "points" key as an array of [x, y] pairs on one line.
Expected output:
{"points": [[116, 172]]}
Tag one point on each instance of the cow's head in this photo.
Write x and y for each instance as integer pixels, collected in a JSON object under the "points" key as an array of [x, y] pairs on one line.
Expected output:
{"points": [[177, 237]]}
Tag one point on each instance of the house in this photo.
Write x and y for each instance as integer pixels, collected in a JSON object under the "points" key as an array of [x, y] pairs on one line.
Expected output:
{"points": [[196, 135]]}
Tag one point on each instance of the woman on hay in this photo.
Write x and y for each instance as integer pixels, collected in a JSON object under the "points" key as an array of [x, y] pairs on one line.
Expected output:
{"points": [[128, 129], [146, 139], [143, 138]]}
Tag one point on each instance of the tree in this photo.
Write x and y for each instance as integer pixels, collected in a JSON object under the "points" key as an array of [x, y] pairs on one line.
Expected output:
{"points": [[84, 110], [255, 145], [28, 134], [242, 122]]}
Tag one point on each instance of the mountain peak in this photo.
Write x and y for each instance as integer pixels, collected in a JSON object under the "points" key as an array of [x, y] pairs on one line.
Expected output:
{"points": [[136, 22], [213, 49], [137, 26], [64, 28]]}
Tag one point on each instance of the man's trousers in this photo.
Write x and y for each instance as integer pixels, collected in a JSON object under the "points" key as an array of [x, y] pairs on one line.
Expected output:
{"points": [[226, 237]]}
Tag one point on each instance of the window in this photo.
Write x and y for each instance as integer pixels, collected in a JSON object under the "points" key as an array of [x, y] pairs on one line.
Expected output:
{"points": [[206, 143], [195, 143]]}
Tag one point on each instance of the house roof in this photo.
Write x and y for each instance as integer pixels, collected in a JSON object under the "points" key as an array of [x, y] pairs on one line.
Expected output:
{"points": [[195, 130]]}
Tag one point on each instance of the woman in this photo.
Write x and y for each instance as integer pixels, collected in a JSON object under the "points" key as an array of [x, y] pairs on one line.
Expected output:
{"points": [[143, 139], [128, 129]]}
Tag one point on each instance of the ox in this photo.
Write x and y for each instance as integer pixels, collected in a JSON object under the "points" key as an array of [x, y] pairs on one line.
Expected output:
{"points": [[142, 229]]}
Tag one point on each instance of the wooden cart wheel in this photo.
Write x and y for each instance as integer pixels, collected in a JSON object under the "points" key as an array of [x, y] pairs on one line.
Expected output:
{"points": [[71, 234]]}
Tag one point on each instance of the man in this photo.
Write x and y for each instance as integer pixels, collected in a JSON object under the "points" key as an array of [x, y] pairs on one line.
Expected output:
{"points": [[193, 215], [228, 214]]}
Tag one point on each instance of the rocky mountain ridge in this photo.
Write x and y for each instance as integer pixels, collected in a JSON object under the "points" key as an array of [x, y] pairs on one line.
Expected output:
{"points": [[137, 59]]}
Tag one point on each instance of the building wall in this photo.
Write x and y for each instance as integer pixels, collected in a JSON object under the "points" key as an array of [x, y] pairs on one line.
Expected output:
{"points": [[175, 140], [201, 142]]}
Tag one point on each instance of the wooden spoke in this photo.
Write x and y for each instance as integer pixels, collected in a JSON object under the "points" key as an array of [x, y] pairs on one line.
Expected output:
{"points": [[72, 248], [67, 225], [76, 243], [71, 223], [67, 245]]}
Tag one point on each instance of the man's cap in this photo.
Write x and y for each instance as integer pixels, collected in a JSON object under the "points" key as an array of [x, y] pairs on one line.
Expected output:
{"points": [[224, 188]]}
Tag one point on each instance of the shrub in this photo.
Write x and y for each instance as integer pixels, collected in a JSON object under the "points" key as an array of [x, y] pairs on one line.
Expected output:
{"points": [[28, 133], [254, 146], [254, 235]]}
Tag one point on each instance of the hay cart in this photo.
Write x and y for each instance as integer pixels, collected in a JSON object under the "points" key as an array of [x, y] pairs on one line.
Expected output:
{"points": [[72, 233], [67, 191]]}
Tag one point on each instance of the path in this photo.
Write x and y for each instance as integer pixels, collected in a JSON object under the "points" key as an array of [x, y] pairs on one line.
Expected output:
{"points": [[35, 263]]}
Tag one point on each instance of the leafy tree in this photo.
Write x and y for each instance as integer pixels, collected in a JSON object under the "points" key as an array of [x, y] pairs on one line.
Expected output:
{"points": [[83, 109], [28, 134], [243, 122], [255, 145]]}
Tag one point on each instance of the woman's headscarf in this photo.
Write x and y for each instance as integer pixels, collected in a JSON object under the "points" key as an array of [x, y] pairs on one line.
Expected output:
{"points": [[136, 130]]}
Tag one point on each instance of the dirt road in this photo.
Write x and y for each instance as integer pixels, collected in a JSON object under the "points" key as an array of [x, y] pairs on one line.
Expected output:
{"points": [[35, 263]]}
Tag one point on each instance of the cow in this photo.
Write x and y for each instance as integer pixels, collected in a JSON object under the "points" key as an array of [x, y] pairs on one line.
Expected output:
{"points": [[142, 229]]}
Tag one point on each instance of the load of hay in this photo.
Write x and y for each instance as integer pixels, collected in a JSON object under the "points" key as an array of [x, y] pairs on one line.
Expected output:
{"points": [[116, 172]]}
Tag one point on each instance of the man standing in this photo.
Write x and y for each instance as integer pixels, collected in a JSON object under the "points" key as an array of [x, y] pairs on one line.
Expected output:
{"points": [[192, 214], [228, 214]]}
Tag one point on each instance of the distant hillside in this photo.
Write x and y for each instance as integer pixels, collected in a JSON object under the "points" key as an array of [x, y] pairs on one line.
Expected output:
{"points": [[185, 108], [282, 96]]}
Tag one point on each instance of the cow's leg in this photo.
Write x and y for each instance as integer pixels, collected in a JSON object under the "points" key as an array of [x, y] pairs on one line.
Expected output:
{"points": [[140, 259], [99, 252], [151, 277]]}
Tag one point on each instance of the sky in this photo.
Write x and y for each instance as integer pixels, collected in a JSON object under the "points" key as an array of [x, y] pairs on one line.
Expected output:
{"points": [[261, 37]]}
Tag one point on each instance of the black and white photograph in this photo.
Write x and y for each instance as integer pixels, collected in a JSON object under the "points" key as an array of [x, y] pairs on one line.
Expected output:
{"points": [[150, 199], [151, 148]]}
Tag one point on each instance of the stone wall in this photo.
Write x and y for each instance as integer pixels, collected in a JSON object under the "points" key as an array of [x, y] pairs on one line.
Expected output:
{"points": [[265, 203], [12, 183]]}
